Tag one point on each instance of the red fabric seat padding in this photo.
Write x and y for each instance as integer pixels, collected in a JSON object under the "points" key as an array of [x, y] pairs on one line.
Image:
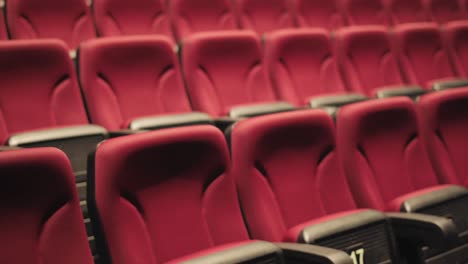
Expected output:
{"points": [[190, 16], [444, 126], [38, 87], [131, 77], [302, 64], [136, 17], [69, 21], [223, 70], [165, 194], [264, 16], [382, 152], [41, 220]]}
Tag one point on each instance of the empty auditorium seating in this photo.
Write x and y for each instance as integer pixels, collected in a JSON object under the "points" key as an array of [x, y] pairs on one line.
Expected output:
{"points": [[69, 21], [456, 34], [443, 11], [137, 17], [368, 60], [444, 122], [302, 64], [292, 187], [205, 15], [264, 16], [387, 165], [166, 194], [407, 11], [318, 13], [42, 105], [422, 55], [133, 82], [41, 220], [365, 12], [225, 74]]}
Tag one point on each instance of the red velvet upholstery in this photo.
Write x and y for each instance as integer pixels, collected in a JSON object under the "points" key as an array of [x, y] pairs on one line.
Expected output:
{"points": [[41, 220], [443, 11], [38, 87], [456, 34], [301, 64], [130, 77], [422, 53], [368, 59], [444, 127], [264, 16], [365, 12], [190, 16], [135, 17], [287, 172], [382, 153], [69, 20], [407, 11], [223, 70], [318, 13], [166, 194]]}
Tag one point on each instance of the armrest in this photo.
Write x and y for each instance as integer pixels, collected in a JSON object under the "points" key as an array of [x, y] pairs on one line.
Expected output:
{"points": [[56, 134], [159, 122], [260, 109], [301, 253], [410, 91], [250, 252], [336, 100], [124, 132], [440, 85], [316, 232], [7, 148], [432, 198], [224, 122], [434, 231]]}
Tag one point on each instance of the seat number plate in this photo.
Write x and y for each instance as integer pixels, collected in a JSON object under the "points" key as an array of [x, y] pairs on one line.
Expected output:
{"points": [[358, 256]]}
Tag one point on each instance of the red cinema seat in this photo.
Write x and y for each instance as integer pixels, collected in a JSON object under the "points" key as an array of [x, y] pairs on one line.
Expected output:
{"points": [[444, 126], [292, 187], [68, 20], [302, 65], [456, 35], [49, 97], [133, 82], [365, 12], [190, 16], [42, 104], [423, 55], [41, 220], [388, 168], [225, 74], [168, 196], [369, 62], [318, 13], [264, 16], [136, 17], [407, 11]]}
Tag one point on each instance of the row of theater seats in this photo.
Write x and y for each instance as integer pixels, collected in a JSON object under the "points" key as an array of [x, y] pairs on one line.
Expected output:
{"points": [[131, 84], [125, 79], [75, 21], [169, 196]]}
